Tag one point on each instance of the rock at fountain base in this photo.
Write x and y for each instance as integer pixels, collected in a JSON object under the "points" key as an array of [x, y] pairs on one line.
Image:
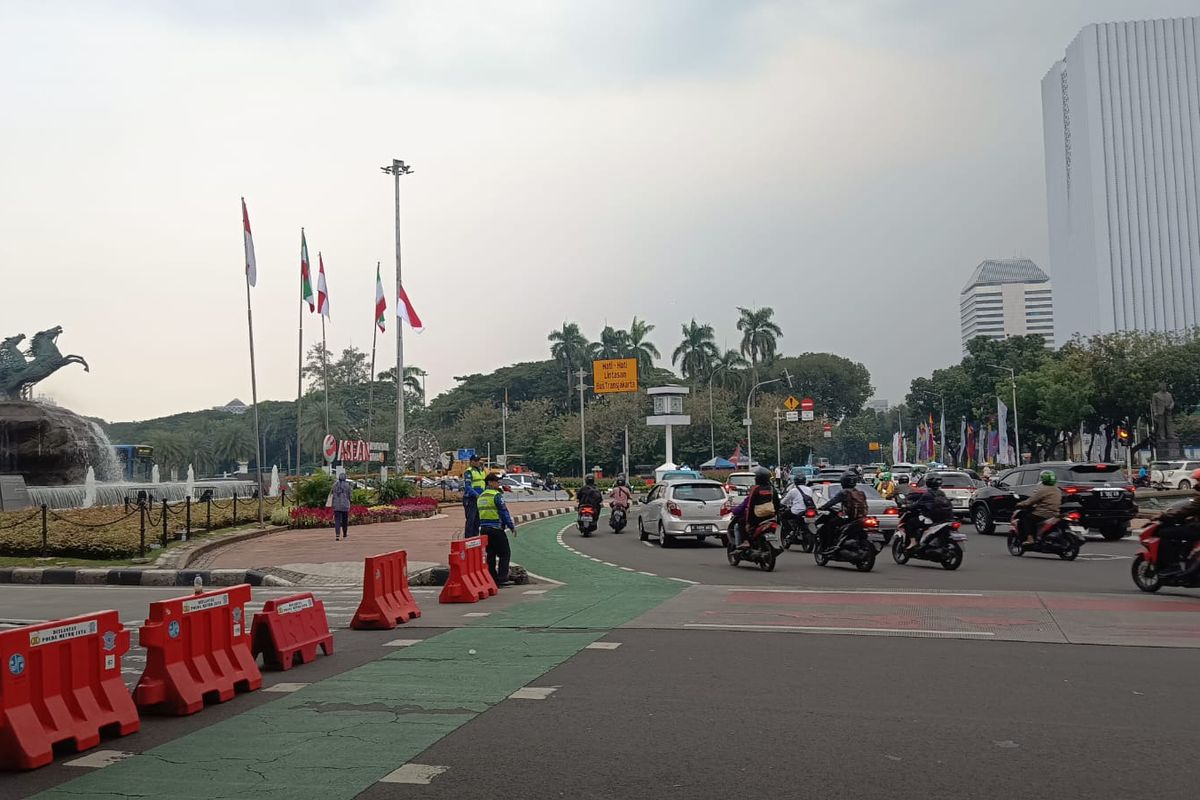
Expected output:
{"points": [[48, 445], [13, 494]]}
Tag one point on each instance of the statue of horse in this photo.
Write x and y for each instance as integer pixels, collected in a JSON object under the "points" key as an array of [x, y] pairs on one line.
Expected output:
{"points": [[19, 372]]}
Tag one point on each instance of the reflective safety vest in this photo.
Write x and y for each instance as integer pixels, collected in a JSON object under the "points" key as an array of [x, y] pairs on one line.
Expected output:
{"points": [[488, 510], [476, 477]]}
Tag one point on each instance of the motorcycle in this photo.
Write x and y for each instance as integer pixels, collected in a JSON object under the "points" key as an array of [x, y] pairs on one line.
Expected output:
{"points": [[1059, 536], [764, 547], [586, 522], [1154, 569], [799, 532], [833, 545], [940, 542], [617, 519]]}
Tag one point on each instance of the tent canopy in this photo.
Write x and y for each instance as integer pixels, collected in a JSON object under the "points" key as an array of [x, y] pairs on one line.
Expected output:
{"points": [[717, 463]]}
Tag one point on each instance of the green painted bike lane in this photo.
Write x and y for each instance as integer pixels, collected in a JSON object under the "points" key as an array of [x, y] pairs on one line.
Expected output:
{"points": [[335, 738]]}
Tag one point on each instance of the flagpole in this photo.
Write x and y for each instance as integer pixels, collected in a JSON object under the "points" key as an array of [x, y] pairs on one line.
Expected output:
{"points": [[371, 385], [300, 362], [396, 169], [253, 396], [324, 358], [504, 427]]}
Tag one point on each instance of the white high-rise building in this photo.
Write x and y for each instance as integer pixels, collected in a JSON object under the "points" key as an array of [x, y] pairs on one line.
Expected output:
{"points": [[1007, 297], [1121, 114]]}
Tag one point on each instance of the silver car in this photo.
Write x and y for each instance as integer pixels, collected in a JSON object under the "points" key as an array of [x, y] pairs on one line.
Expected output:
{"points": [[886, 511], [696, 508]]}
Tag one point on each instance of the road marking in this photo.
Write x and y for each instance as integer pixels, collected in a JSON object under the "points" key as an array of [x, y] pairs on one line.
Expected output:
{"points": [[824, 629], [285, 688], [535, 591], [629, 569], [651, 574], [684, 580], [854, 591], [533, 693], [603, 646], [597, 560], [99, 759], [478, 614], [420, 774], [608, 563], [402, 642]]}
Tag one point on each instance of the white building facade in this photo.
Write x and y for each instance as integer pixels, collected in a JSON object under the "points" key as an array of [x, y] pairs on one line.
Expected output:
{"points": [[1007, 297], [1121, 118]]}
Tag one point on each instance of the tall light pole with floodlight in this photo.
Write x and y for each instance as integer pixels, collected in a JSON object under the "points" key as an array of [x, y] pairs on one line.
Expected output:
{"points": [[396, 169]]}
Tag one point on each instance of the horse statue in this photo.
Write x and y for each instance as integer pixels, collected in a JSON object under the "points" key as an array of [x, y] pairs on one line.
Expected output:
{"points": [[20, 371]]}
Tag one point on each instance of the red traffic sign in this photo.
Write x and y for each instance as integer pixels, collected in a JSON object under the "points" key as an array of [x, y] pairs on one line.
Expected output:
{"points": [[330, 447], [827, 427], [807, 404]]}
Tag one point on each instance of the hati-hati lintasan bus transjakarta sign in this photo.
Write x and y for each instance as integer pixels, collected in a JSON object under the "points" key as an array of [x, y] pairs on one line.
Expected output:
{"points": [[615, 375]]}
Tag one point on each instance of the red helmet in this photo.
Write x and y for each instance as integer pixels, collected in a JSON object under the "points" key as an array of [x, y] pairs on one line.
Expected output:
{"points": [[1196, 480]]}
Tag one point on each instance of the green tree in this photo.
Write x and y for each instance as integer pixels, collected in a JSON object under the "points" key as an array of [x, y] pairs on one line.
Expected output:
{"points": [[643, 350], [727, 370], [760, 336], [569, 347], [696, 352], [613, 344]]}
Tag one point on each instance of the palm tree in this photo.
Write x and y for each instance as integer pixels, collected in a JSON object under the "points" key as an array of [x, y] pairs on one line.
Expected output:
{"points": [[759, 334], [644, 351], [613, 344], [726, 369], [696, 352], [569, 347]]}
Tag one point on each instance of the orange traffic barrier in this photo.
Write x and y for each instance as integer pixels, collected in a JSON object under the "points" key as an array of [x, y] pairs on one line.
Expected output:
{"points": [[386, 599], [197, 649], [464, 583], [61, 683], [290, 629]]}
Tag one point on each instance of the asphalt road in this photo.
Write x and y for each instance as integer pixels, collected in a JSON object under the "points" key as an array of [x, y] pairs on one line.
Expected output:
{"points": [[1101, 567], [720, 715]]}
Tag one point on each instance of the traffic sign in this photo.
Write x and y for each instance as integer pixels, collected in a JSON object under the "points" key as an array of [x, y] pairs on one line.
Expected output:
{"points": [[612, 375], [792, 416], [807, 404], [873, 446], [465, 453], [330, 447], [791, 404], [807, 416], [828, 430]]}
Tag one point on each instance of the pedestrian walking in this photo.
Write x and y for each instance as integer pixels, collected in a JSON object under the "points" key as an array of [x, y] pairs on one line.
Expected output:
{"points": [[341, 507], [472, 487], [493, 520]]}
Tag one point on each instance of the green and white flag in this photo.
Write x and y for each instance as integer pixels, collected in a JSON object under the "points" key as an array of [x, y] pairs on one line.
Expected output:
{"points": [[306, 290]]}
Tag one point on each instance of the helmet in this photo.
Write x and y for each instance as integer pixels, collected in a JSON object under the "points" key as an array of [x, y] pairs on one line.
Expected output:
{"points": [[849, 480], [1196, 480], [885, 476], [801, 479], [620, 480], [933, 482], [590, 480], [762, 476], [1048, 477]]}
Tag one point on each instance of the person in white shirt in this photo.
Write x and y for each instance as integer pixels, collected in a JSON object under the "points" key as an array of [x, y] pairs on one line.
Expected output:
{"points": [[795, 503]]}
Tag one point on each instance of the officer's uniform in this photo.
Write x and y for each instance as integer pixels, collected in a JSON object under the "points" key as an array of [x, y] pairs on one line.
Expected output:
{"points": [[473, 486], [493, 520]]}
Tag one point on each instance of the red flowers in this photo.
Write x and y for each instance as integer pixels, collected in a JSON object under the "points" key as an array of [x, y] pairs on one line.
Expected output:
{"points": [[405, 508]]}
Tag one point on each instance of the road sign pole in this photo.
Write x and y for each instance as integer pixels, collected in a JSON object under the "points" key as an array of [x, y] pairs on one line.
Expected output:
{"points": [[778, 459], [582, 430]]}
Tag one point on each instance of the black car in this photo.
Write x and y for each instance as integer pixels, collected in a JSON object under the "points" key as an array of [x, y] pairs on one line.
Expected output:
{"points": [[1096, 491]]}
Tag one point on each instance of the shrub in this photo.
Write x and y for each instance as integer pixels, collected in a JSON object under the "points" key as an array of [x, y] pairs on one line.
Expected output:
{"points": [[408, 508], [394, 489], [312, 492], [362, 497], [280, 516]]}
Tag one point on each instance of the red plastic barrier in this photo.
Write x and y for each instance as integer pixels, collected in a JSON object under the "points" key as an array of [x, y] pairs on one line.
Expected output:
{"points": [[464, 583], [386, 599], [61, 682], [478, 562], [197, 648], [289, 628]]}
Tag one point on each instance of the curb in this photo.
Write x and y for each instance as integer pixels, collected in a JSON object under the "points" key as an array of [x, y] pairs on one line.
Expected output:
{"points": [[181, 557], [86, 576]]}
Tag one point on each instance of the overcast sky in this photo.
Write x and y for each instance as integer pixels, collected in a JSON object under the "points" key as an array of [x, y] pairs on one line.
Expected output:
{"points": [[846, 163]]}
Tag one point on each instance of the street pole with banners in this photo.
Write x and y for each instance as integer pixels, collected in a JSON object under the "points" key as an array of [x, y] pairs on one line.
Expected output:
{"points": [[1012, 374], [582, 432], [396, 169]]}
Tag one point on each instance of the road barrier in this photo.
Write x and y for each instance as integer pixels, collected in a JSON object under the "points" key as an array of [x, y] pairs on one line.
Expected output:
{"points": [[290, 629], [386, 600], [469, 580], [61, 683], [197, 649]]}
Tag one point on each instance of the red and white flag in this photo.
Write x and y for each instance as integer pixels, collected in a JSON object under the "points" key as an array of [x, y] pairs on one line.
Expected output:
{"points": [[380, 301], [251, 267], [407, 313], [322, 290]]}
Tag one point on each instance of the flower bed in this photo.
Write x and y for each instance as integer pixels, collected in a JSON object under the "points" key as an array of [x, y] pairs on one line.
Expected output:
{"points": [[405, 508]]}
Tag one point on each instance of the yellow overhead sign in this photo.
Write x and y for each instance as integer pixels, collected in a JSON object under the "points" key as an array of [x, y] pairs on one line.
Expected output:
{"points": [[615, 375]]}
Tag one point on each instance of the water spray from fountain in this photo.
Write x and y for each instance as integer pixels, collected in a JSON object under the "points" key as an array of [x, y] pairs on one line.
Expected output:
{"points": [[189, 487], [154, 478], [274, 490], [89, 488]]}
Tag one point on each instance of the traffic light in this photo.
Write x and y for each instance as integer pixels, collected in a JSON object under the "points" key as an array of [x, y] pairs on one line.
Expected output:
{"points": [[1122, 434]]}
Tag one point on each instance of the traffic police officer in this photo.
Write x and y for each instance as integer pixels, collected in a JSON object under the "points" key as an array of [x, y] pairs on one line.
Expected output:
{"points": [[473, 486], [493, 520]]}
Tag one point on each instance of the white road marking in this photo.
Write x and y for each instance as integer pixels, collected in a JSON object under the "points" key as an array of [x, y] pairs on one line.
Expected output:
{"points": [[420, 774], [683, 580], [402, 642], [99, 759], [285, 688], [651, 574], [855, 591], [535, 591], [628, 569], [478, 614], [533, 693], [597, 560], [824, 629], [603, 646], [608, 563]]}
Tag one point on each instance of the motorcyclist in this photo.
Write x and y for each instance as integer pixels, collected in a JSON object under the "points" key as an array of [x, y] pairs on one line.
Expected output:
{"points": [[1044, 503], [620, 496], [589, 495], [931, 504], [853, 505], [886, 486], [797, 501], [761, 503], [1181, 524]]}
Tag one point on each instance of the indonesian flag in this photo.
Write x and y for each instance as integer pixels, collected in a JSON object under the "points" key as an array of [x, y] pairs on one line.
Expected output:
{"points": [[322, 290], [380, 301], [306, 293], [407, 313], [251, 267]]}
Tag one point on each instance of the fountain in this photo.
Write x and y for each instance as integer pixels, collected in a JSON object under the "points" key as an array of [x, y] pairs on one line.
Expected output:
{"points": [[190, 485], [154, 479], [274, 490], [89, 488]]}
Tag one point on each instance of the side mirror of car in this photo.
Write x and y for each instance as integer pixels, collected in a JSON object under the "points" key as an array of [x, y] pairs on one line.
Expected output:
{"points": [[1000, 485]]}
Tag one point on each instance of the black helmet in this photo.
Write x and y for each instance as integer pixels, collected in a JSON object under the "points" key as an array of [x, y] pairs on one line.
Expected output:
{"points": [[620, 480], [849, 480], [933, 481], [762, 476], [801, 479], [590, 480]]}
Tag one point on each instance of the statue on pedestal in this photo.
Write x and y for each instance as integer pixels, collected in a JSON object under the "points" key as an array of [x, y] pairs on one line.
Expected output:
{"points": [[19, 371], [1161, 406]]}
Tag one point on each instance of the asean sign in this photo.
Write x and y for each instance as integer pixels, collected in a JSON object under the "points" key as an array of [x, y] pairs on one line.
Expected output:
{"points": [[330, 447], [354, 451], [613, 375]]}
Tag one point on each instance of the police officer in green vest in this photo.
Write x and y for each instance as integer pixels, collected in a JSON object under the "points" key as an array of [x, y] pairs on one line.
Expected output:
{"points": [[473, 480], [493, 520]]}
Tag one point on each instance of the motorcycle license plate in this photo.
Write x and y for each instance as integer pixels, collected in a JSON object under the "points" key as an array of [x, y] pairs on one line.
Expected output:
{"points": [[958, 537], [585, 519], [772, 538]]}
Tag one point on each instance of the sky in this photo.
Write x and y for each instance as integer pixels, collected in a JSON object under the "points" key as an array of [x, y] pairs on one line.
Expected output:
{"points": [[846, 163]]}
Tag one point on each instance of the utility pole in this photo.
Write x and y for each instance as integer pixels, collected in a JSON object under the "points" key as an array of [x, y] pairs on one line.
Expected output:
{"points": [[582, 432], [712, 435], [396, 169], [778, 459], [504, 429], [747, 421]]}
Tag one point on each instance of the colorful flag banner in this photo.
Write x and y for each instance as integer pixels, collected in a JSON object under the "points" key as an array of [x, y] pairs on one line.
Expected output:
{"points": [[248, 241], [380, 301], [407, 313], [306, 292], [322, 289]]}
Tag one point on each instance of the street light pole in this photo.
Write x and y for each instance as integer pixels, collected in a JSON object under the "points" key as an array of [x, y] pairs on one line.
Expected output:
{"points": [[778, 459], [582, 433], [712, 436], [749, 400], [1012, 374], [396, 169]]}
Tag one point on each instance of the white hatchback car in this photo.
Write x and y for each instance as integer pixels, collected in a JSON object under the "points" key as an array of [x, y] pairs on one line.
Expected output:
{"points": [[1173, 474], [696, 508]]}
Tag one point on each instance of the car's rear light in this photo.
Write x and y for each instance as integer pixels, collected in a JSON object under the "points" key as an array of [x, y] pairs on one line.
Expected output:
{"points": [[674, 510], [810, 513], [891, 512], [1132, 489], [725, 508], [870, 522], [729, 487], [1074, 516], [1071, 489]]}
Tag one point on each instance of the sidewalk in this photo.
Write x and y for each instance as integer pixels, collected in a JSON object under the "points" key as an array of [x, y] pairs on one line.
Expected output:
{"points": [[313, 553]]}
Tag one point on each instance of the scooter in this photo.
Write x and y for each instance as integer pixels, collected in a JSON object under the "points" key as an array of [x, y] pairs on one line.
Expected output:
{"points": [[857, 549], [940, 542], [799, 532], [764, 547], [617, 519], [1154, 569], [1059, 536], [586, 521]]}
